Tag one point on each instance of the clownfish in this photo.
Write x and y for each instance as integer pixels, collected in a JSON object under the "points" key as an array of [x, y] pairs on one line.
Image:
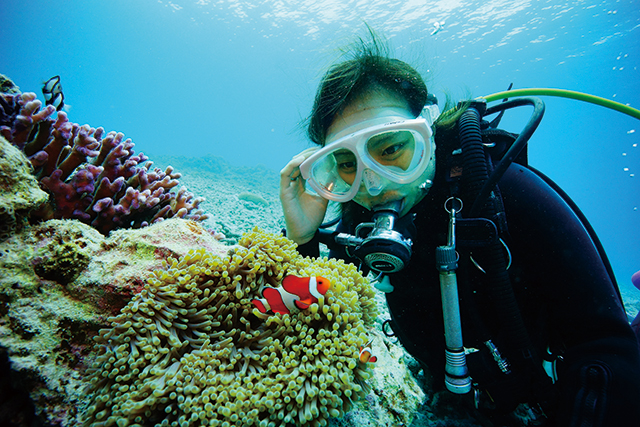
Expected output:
{"points": [[295, 292], [366, 353]]}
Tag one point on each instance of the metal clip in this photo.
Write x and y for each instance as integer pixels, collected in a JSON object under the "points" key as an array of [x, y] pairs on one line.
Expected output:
{"points": [[453, 206], [503, 363]]}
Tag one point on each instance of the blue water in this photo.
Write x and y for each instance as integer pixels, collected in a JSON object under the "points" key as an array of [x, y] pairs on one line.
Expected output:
{"points": [[234, 78]]}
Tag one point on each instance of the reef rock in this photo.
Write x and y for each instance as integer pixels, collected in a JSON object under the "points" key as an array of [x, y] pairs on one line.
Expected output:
{"points": [[19, 190]]}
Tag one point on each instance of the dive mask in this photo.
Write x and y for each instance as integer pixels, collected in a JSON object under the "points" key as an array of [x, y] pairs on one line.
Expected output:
{"points": [[397, 151]]}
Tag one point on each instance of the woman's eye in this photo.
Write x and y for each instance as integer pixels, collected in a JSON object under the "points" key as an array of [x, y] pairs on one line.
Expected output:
{"points": [[389, 146], [345, 161], [347, 166], [392, 149]]}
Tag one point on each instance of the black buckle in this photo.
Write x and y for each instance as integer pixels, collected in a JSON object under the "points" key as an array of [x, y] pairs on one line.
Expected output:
{"points": [[475, 232]]}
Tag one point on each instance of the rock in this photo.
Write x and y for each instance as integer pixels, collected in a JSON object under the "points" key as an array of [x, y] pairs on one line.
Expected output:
{"points": [[19, 190], [60, 282]]}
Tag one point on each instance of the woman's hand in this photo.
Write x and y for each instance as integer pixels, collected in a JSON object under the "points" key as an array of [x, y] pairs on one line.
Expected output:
{"points": [[303, 211]]}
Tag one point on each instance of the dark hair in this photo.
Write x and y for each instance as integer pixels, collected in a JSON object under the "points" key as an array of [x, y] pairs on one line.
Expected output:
{"points": [[369, 69]]}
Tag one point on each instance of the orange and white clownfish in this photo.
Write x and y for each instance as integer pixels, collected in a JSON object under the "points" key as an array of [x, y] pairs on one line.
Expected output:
{"points": [[295, 292], [366, 353]]}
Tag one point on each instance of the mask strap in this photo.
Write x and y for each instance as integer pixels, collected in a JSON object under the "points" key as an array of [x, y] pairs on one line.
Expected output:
{"points": [[430, 113]]}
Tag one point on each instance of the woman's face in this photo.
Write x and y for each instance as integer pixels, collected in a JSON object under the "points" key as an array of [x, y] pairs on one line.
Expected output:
{"points": [[389, 149]]}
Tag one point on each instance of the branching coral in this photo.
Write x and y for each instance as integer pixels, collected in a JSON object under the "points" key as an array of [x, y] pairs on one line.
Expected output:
{"points": [[191, 350], [91, 175]]}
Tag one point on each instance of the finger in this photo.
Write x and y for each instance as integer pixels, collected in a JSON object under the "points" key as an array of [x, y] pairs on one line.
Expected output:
{"points": [[291, 180], [297, 160], [287, 176], [289, 167], [291, 171], [309, 151]]}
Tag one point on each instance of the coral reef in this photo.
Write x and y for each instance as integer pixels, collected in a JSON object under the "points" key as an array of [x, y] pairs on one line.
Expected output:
{"points": [[48, 317], [47, 324], [63, 261], [91, 175], [19, 191], [191, 348]]}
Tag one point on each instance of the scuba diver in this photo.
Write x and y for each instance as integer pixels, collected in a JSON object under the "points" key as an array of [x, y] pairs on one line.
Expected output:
{"points": [[495, 282]]}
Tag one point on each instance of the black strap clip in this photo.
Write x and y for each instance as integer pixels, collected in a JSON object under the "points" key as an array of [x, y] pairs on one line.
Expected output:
{"points": [[475, 232]]}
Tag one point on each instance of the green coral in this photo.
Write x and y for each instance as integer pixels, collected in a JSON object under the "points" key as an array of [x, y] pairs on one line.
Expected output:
{"points": [[63, 257], [190, 349], [19, 190], [7, 85]]}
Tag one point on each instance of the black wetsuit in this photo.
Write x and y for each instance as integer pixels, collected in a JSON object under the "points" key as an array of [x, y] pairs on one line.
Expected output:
{"points": [[568, 302]]}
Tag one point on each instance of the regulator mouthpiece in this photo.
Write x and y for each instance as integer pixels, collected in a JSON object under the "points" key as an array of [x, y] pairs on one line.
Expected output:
{"points": [[384, 249]]}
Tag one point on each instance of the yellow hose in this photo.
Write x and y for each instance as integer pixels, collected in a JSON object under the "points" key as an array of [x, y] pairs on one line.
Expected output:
{"points": [[563, 93]]}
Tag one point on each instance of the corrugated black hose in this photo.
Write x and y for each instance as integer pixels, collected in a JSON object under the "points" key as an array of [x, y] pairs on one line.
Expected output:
{"points": [[519, 348]]}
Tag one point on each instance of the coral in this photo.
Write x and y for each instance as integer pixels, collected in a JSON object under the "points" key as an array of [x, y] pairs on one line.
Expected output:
{"points": [[254, 199], [42, 329], [47, 328], [7, 85], [190, 349], [47, 324], [62, 258], [91, 175], [19, 191]]}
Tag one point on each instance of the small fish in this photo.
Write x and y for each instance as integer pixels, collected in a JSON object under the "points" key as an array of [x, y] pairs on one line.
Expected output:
{"points": [[52, 91], [366, 353], [437, 26], [295, 292]]}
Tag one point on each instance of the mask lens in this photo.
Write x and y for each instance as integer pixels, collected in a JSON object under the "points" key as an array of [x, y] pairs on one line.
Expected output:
{"points": [[336, 171], [385, 156], [397, 152]]}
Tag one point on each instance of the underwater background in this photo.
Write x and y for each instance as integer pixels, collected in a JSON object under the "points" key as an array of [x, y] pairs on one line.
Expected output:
{"points": [[235, 79]]}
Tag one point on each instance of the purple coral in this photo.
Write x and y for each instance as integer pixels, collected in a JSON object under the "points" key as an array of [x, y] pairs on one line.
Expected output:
{"points": [[91, 176]]}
